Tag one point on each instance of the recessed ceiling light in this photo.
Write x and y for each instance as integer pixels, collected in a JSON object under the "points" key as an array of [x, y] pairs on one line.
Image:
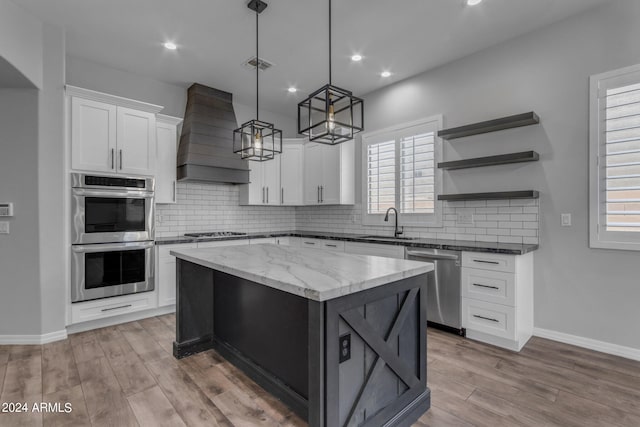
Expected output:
{"points": [[356, 58], [473, 2], [170, 46], [292, 89], [385, 74]]}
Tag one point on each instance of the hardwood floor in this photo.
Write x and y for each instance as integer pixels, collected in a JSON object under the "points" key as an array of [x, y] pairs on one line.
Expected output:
{"points": [[126, 376]]}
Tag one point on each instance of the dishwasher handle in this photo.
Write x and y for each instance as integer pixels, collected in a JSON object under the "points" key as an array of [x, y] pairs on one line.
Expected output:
{"points": [[431, 256]]}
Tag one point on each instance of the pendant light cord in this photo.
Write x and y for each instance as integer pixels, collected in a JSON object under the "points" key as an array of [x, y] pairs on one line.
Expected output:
{"points": [[330, 42], [257, 70]]}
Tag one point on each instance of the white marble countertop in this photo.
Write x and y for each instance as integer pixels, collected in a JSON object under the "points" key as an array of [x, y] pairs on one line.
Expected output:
{"points": [[315, 274]]}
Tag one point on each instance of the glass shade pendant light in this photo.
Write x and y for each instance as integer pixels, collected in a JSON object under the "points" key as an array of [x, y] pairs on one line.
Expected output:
{"points": [[331, 115], [257, 140]]}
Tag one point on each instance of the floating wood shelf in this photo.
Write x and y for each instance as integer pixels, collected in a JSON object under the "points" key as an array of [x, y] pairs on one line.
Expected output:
{"points": [[501, 159], [518, 120], [527, 194]]}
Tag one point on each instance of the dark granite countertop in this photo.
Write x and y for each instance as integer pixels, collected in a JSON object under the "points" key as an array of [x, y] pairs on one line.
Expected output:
{"points": [[455, 245]]}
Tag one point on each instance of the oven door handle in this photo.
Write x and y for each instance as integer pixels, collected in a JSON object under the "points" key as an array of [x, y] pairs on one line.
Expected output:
{"points": [[106, 247], [109, 193]]}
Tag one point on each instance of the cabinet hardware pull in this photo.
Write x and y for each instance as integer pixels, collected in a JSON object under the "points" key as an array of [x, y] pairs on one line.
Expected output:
{"points": [[318, 190], [485, 286], [322, 194], [486, 318], [486, 262], [332, 246], [282, 196], [120, 159], [175, 191], [115, 308], [113, 158], [267, 195], [262, 194], [309, 243]]}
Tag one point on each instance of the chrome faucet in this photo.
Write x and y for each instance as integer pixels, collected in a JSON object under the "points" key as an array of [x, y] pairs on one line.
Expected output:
{"points": [[396, 232]]}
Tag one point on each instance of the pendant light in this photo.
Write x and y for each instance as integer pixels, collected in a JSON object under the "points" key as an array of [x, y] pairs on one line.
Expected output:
{"points": [[331, 115], [257, 140]]}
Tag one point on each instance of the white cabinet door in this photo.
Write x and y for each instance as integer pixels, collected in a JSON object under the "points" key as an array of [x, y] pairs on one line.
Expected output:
{"points": [[166, 273], [253, 193], [136, 137], [93, 135], [312, 173], [330, 186], [291, 173], [166, 152], [271, 180]]}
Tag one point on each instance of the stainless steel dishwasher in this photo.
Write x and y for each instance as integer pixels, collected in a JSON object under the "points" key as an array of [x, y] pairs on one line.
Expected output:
{"points": [[444, 289]]}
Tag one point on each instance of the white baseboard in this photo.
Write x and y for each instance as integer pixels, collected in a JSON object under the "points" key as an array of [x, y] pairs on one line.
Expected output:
{"points": [[116, 320], [33, 339], [591, 344]]}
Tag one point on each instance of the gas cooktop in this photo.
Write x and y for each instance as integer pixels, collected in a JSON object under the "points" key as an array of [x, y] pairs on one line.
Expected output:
{"points": [[215, 234]]}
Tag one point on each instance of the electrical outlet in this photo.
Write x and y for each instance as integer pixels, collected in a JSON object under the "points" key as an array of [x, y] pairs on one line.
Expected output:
{"points": [[159, 218], [465, 217], [4, 227], [344, 344], [565, 220]]}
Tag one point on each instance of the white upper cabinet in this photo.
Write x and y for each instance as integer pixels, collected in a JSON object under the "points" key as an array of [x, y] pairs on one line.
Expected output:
{"points": [[264, 186], [329, 174], [136, 140], [166, 158], [93, 132], [291, 175], [112, 134]]}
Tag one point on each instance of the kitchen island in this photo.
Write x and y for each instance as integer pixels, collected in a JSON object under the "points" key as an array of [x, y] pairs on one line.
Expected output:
{"points": [[340, 338]]}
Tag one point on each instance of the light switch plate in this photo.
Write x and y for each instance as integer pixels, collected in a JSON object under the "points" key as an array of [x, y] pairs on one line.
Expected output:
{"points": [[4, 227], [565, 219]]}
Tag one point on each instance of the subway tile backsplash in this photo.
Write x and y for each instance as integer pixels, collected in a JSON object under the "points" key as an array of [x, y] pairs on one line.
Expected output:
{"points": [[505, 221], [214, 207]]}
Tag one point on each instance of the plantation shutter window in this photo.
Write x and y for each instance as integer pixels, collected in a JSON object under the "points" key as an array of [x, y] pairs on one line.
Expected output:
{"points": [[399, 170], [615, 169]]}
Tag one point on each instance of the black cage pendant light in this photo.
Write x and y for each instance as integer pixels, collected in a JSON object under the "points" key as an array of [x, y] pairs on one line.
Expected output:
{"points": [[257, 140], [331, 115]]}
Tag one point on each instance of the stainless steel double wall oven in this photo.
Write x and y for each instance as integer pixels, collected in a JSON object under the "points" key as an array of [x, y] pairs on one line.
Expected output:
{"points": [[112, 236]]}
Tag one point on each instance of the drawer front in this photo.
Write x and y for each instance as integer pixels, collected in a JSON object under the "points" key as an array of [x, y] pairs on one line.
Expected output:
{"points": [[332, 245], [491, 286], [270, 240], [494, 319], [486, 261], [92, 310]]}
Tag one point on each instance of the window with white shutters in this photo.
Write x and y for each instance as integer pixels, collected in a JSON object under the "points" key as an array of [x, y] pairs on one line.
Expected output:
{"points": [[615, 159], [399, 170]]}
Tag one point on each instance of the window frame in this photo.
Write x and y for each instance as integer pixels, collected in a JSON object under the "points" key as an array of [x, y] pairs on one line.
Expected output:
{"points": [[396, 132], [599, 238]]}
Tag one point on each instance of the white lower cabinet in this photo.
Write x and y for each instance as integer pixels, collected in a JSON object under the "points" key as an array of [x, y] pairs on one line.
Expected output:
{"points": [[109, 307], [389, 251], [330, 245], [166, 273], [497, 298], [166, 267]]}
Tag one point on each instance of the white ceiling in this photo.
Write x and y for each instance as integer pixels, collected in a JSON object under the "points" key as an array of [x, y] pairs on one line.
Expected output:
{"points": [[216, 36]]}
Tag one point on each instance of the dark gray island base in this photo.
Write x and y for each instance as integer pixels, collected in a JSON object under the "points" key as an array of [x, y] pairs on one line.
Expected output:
{"points": [[357, 359]]}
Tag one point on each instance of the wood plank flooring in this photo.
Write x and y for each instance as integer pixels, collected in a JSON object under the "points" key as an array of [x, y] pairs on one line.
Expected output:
{"points": [[125, 375]]}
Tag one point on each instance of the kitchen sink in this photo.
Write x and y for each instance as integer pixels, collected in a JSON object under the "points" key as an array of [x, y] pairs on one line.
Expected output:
{"points": [[385, 237]]}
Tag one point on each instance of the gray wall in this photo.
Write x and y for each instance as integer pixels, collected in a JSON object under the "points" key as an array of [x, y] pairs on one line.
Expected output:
{"points": [[19, 251], [581, 291], [51, 173]]}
